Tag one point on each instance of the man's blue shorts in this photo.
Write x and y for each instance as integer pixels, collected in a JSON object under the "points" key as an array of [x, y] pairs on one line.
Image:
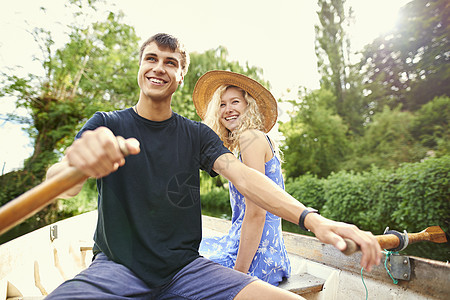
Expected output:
{"points": [[105, 279]]}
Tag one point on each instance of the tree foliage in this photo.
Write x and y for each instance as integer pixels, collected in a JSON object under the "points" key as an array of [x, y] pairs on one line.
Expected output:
{"points": [[410, 64], [315, 138], [373, 130], [333, 52], [332, 47], [95, 70], [431, 125], [387, 142]]}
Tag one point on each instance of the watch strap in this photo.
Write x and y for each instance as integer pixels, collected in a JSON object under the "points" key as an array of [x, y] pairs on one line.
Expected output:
{"points": [[305, 212]]}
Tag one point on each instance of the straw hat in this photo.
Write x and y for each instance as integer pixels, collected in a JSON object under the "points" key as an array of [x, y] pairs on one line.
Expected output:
{"points": [[210, 81]]}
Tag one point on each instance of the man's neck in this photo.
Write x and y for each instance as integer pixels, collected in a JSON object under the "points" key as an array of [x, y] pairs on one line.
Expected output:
{"points": [[153, 110]]}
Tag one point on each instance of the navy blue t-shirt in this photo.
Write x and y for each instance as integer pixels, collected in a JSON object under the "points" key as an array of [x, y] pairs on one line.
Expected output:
{"points": [[149, 213]]}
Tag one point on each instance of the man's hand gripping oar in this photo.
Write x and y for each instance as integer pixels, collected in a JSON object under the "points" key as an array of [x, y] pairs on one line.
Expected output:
{"points": [[96, 155]]}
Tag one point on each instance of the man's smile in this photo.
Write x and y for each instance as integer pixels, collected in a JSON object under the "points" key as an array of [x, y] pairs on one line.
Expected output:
{"points": [[155, 80]]}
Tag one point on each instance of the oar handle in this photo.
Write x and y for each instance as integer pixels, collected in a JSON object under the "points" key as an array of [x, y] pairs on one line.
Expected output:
{"points": [[386, 241], [352, 247], [32, 201]]}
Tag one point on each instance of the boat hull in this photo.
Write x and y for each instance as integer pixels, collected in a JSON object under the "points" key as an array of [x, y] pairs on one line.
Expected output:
{"points": [[36, 263]]}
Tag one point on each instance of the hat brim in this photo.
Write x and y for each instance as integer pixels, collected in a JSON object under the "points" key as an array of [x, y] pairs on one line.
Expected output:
{"points": [[210, 81]]}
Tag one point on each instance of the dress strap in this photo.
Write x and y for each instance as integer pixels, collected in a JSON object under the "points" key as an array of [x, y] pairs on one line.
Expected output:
{"points": [[270, 143]]}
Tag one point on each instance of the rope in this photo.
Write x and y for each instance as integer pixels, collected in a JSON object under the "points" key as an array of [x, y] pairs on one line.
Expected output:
{"points": [[362, 278], [404, 241], [388, 254]]}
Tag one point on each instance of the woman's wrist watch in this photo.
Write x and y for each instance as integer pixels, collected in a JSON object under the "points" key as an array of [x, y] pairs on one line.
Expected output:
{"points": [[305, 212]]}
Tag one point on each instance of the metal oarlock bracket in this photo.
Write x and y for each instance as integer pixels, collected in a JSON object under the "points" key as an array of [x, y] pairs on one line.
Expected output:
{"points": [[400, 267], [402, 237], [53, 232]]}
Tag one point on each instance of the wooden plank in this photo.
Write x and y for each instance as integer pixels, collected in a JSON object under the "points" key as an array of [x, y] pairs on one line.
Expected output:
{"points": [[302, 284]]}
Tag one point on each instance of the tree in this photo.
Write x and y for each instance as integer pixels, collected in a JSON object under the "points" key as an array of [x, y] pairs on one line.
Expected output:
{"points": [[332, 47], [338, 74], [431, 125], [387, 142], [410, 64], [93, 71], [315, 138]]}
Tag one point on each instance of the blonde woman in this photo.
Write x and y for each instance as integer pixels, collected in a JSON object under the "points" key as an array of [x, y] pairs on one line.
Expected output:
{"points": [[241, 112]]}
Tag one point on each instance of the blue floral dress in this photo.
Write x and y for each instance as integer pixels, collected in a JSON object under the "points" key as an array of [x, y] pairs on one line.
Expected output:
{"points": [[271, 262]]}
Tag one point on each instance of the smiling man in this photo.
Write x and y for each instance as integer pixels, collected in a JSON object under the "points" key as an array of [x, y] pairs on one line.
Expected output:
{"points": [[149, 213]]}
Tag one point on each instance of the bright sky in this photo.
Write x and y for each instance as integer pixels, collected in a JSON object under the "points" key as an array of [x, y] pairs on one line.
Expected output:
{"points": [[277, 36]]}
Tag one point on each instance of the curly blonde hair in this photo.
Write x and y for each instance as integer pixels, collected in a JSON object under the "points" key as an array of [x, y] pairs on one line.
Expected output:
{"points": [[250, 119]]}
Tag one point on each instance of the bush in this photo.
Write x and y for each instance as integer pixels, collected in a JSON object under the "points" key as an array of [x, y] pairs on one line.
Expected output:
{"points": [[307, 189], [387, 142], [216, 202], [15, 183], [349, 198], [424, 193]]}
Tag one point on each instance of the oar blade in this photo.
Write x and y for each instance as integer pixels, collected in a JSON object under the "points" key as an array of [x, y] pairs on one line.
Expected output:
{"points": [[436, 234]]}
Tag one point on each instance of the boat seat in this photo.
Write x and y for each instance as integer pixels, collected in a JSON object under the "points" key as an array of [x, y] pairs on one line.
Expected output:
{"points": [[302, 284]]}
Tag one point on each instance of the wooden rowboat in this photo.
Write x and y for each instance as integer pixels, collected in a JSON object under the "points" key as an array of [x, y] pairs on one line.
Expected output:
{"points": [[32, 265]]}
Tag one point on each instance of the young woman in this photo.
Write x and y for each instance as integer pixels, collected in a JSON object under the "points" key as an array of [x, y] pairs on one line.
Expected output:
{"points": [[241, 111]]}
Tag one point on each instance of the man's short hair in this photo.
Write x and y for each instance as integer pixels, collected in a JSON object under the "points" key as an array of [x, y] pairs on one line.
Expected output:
{"points": [[165, 40]]}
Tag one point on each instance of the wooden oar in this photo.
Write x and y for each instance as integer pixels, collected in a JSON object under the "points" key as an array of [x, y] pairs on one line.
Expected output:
{"points": [[32, 201], [390, 241]]}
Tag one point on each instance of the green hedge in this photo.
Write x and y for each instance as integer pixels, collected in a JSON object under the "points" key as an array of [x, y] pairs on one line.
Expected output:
{"points": [[307, 189], [216, 203], [423, 193]]}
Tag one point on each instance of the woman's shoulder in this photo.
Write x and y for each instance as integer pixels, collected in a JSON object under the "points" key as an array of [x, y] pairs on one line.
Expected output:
{"points": [[252, 138], [252, 133]]}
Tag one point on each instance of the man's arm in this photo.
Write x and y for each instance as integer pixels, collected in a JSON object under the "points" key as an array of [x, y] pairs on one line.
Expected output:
{"points": [[265, 193]]}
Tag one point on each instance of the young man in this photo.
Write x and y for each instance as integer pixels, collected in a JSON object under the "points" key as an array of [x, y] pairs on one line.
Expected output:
{"points": [[149, 216]]}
